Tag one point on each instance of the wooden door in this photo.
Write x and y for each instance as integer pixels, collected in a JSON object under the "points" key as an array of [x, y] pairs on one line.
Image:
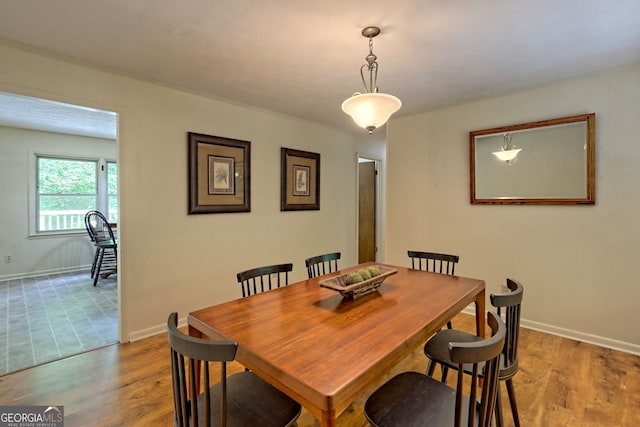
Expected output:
{"points": [[366, 212]]}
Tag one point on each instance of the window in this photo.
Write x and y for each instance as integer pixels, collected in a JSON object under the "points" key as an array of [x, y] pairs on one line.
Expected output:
{"points": [[67, 188], [112, 192]]}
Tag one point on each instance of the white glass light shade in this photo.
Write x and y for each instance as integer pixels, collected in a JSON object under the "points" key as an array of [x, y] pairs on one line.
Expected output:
{"points": [[371, 110], [507, 155]]}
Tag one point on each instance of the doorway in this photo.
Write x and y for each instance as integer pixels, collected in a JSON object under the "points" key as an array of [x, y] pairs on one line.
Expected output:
{"points": [[367, 209], [52, 307]]}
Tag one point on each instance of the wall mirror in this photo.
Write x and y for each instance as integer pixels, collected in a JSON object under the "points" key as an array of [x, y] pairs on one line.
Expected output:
{"points": [[549, 162]]}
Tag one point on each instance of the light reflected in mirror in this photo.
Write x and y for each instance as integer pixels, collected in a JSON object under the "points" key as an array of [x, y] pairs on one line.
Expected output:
{"points": [[545, 162]]}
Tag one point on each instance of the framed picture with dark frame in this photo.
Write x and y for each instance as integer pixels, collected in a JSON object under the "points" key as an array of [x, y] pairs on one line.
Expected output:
{"points": [[219, 174], [299, 180]]}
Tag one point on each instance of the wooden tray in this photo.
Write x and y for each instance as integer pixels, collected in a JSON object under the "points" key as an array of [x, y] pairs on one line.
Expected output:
{"points": [[338, 283]]}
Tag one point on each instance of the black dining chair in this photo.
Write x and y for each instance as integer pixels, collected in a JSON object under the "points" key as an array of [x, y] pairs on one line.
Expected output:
{"points": [[101, 233], [436, 263], [415, 399], [92, 237], [509, 304], [262, 279], [241, 399], [322, 264]]}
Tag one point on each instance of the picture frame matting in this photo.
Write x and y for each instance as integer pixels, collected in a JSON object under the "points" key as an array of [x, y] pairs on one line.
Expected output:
{"points": [[219, 174], [299, 180]]}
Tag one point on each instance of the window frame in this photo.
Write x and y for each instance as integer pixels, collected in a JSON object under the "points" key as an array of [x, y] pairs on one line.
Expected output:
{"points": [[102, 195], [108, 195]]}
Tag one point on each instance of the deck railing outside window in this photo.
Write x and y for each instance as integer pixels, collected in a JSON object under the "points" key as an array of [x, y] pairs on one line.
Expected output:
{"points": [[67, 220]]}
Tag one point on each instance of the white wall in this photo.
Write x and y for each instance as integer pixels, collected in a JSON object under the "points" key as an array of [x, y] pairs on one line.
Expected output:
{"points": [[577, 263], [172, 261], [33, 255]]}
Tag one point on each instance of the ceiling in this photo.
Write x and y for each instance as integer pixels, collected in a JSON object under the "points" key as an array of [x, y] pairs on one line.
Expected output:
{"points": [[33, 113], [302, 58]]}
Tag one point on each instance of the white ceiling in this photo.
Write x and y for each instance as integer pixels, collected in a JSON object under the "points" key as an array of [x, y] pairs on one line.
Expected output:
{"points": [[302, 58], [33, 113]]}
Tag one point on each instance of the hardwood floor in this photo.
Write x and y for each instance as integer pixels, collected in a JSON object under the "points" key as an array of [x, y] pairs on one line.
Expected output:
{"points": [[561, 382]]}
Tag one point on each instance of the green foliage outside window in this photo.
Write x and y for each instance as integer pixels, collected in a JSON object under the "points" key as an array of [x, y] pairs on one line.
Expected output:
{"points": [[68, 188], [66, 184], [112, 190]]}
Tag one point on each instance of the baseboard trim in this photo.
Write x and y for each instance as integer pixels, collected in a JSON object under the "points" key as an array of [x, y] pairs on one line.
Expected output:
{"points": [[31, 274], [154, 330], [605, 342], [582, 337]]}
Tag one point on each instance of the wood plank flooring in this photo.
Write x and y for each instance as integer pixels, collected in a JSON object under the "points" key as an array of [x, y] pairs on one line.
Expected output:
{"points": [[561, 382]]}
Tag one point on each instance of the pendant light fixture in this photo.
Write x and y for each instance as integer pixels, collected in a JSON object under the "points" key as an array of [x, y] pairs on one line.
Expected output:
{"points": [[370, 109], [508, 151]]}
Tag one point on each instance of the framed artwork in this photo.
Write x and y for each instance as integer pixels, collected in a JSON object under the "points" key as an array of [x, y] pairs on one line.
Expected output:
{"points": [[219, 174], [299, 180]]}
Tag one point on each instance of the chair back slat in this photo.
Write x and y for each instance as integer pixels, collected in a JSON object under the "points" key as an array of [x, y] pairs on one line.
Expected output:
{"points": [[322, 264], [241, 399], [510, 304], [259, 279], [177, 384], [196, 349], [434, 262], [99, 229], [485, 353], [87, 225], [194, 391]]}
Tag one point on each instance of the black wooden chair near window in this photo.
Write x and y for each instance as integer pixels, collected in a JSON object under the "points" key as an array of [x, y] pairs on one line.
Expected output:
{"points": [[322, 264], [93, 240], [106, 254], [241, 399], [263, 279], [415, 399], [436, 349]]}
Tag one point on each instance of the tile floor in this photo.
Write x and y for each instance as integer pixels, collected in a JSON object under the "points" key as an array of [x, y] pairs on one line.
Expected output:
{"points": [[50, 317]]}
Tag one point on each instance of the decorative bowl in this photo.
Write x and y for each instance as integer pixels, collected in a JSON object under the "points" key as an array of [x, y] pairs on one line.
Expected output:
{"points": [[352, 291]]}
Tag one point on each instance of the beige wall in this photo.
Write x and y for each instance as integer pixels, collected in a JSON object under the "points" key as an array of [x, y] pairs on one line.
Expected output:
{"points": [[171, 261], [39, 255], [577, 263]]}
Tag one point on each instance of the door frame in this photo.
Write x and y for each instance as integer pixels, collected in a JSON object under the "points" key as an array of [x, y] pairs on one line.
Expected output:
{"points": [[38, 94], [380, 204]]}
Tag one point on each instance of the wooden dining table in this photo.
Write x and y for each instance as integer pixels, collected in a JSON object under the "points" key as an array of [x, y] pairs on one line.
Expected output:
{"points": [[324, 350]]}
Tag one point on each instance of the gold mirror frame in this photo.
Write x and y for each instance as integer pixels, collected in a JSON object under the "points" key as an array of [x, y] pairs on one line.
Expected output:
{"points": [[541, 177]]}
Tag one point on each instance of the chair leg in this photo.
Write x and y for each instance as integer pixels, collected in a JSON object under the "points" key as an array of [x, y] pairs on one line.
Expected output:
{"points": [[97, 273], [431, 368], [445, 371], [512, 402], [95, 262], [498, 409], [449, 325]]}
